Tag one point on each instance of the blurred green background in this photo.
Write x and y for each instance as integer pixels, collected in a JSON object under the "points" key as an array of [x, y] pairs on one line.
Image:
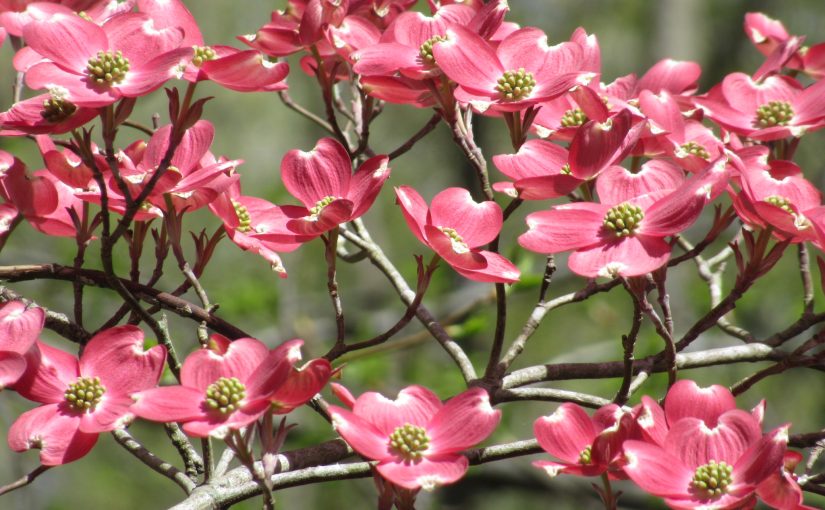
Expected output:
{"points": [[255, 127]]}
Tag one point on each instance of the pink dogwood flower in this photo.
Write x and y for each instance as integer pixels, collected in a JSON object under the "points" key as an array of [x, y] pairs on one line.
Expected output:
{"points": [[96, 66], [331, 193], [622, 236], [700, 468], [416, 439], [586, 446], [775, 107], [230, 384], [522, 71], [454, 227], [84, 397]]}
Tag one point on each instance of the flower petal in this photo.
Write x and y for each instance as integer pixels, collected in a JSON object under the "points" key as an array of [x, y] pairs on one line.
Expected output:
{"points": [[464, 421]]}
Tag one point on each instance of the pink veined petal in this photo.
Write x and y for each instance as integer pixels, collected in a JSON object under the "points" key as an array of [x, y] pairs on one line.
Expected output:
{"points": [[19, 326], [301, 385], [415, 210], [56, 435], [169, 404], [273, 371], [655, 471], [110, 414], [535, 158], [32, 195], [247, 71], [565, 227], [631, 256], [322, 172], [415, 405], [455, 253], [366, 183], [464, 421], [222, 358], [413, 29], [809, 106], [762, 459], [68, 40], [468, 60], [565, 433], [50, 371], [687, 399], [343, 394], [359, 433], [663, 110], [12, 367], [780, 490], [117, 357], [477, 223], [193, 146], [173, 13], [598, 145], [548, 186], [497, 270], [385, 59], [696, 444], [428, 473], [137, 37], [525, 48], [650, 418], [616, 185], [674, 76]]}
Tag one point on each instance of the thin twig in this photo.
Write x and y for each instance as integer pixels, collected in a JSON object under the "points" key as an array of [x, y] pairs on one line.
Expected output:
{"points": [[154, 462]]}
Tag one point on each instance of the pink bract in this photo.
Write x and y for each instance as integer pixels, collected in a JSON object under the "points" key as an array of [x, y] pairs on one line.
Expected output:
{"points": [[454, 227], [416, 439], [230, 384], [586, 446], [322, 179], [84, 397]]}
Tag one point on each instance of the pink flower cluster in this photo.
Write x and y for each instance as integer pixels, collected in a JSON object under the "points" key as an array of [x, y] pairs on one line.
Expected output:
{"points": [[225, 386], [698, 451]]}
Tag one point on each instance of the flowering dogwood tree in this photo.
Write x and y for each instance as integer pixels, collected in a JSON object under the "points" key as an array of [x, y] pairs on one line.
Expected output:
{"points": [[625, 182]]}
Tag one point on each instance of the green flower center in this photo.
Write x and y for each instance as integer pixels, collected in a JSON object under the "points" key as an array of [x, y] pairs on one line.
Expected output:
{"points": [[203, 54], [565, 170], [584, 456], [319, 206], [712, 479], [574, 117], [244, 220], [56, 109], [225, 395], [774, 113], [84, 394], [426, 49], [409, 441], [107, 68], [459, 246], [515, 85], [85, 16], [624, 219], [696, 149], [780, 202]]}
